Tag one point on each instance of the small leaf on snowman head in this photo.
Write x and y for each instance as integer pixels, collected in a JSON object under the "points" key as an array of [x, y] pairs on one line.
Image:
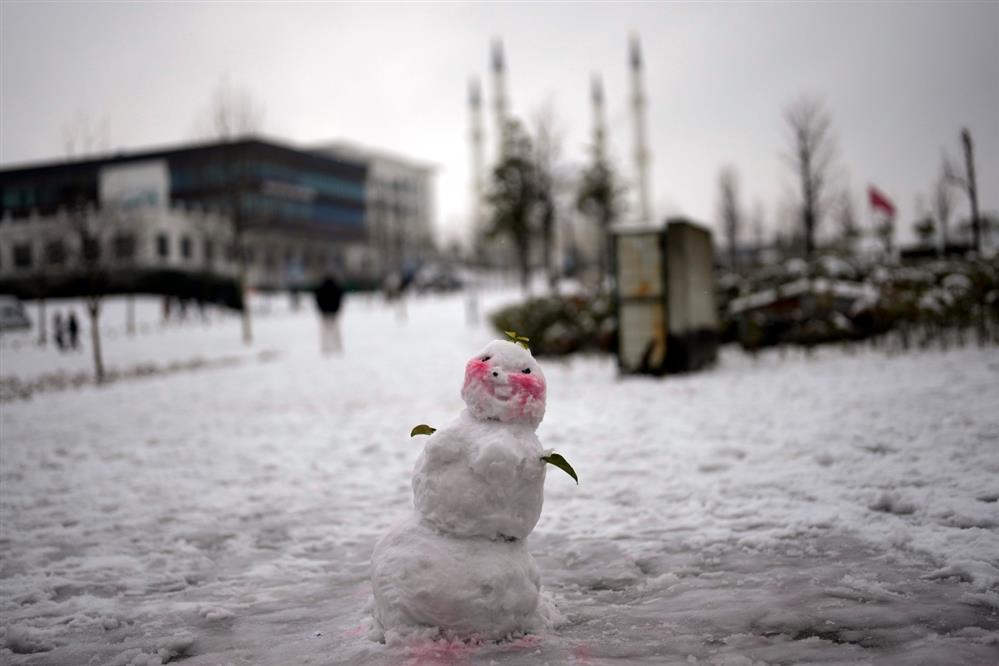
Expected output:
{"points": [[562, 464], [511, 334], [422, 429]]}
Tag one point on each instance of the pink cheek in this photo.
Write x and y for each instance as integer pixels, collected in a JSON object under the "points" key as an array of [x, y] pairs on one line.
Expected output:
{"points": [[475, 370], [526, 386]]}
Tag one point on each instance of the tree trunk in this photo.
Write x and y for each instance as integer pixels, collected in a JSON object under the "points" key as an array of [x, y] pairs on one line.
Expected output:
{"points": [[130, 315], [471, 304], [94, 310], [969, 160], [524, 259], [549, 243], [245, 297], [809, 231], [607, 256], [43, 336]]}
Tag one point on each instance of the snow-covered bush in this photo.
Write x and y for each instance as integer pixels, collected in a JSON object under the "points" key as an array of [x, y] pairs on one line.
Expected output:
{"points": [[835, 300], [558, 325]]}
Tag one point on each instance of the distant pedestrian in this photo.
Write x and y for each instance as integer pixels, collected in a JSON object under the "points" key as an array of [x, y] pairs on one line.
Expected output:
{"points": [[60, 331], [393, 287], [329, 295], [74, 331]]}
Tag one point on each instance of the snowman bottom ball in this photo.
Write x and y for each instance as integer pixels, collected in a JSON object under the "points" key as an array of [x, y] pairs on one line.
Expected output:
{"points": [[423, 578]]}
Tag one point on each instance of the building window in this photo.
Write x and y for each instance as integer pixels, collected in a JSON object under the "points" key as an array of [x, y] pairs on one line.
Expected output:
{"points": [[185, 247], [248, 255], [91, 250], [22, 255], [231, 253], [124, 246], [163, 246], [55, 253], [209, 252]]}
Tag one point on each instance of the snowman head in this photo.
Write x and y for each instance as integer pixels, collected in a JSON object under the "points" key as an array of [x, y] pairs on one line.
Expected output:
{"points": [[504, 383]]}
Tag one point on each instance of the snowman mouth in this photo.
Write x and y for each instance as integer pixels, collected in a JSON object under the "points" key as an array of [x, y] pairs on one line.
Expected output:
{"points": [[502, 393]]}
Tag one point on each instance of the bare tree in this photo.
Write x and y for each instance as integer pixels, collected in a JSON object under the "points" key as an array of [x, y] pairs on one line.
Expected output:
{"points": [[600, 198], [547, 153], [943, 204], [923, 226], [730, 214], [42, 280], [82, 135], [513, 196], [965, 178], [846, 217], [233, 113], [787, 230], [756, 225], [972, 186], [92, 228], [811, 156]]}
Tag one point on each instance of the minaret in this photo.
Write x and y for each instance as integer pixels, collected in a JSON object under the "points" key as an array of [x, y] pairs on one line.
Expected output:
{"points": [[599, 125], [478, 158], [641, 145], [499, 93]]}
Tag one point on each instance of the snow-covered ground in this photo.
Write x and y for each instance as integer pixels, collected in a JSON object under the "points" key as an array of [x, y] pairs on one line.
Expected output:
{"points": [[834, 509]]}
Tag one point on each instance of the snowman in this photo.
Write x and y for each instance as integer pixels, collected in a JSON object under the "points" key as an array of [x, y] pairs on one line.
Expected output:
{"points": [[458, 565]]}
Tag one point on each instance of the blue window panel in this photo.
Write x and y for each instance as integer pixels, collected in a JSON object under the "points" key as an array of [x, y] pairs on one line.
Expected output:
{"points": [[325, 213], [322, 183]]}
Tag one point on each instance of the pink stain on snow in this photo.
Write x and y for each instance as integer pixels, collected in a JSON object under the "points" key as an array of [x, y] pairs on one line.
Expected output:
{"points": [[528, 642], [432, 653], [582, 654], [354, 632]]}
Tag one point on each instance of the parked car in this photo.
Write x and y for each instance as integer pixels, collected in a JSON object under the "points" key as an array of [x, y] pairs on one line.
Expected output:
{"points": [[12, 315], [434, 277]]}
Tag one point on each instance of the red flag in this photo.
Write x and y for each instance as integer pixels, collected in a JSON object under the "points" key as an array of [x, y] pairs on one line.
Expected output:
{"points": [[880, 202]]}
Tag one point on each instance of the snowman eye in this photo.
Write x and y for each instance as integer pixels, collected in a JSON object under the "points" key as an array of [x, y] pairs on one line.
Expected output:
{"points": [[485, 358], [527, 371]]}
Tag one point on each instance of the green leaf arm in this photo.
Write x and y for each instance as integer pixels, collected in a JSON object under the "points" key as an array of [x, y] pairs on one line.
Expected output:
{"points": [[563, 464]]}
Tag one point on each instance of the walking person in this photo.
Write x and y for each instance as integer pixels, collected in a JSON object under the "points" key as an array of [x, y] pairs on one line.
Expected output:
{"points": [[74, 331], [60, 331], [329, 295]]}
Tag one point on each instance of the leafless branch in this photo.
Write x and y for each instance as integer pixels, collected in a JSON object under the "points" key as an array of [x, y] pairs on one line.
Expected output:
{"points": [[811, 158], [232, 113], [729, 211]]}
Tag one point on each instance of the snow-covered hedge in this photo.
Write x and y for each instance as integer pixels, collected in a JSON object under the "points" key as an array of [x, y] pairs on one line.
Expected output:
{"points": [[558, 325]]}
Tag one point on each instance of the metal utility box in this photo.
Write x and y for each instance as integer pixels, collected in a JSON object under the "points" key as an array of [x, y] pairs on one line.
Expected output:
{"points": [[665, 298]]}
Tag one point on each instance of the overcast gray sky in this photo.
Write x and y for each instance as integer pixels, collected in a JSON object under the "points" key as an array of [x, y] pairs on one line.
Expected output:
{"points": [[899, 81]]}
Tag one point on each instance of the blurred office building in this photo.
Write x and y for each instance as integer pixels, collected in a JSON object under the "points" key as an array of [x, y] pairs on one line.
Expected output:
{"points": [[399, 200], [152, 218]]}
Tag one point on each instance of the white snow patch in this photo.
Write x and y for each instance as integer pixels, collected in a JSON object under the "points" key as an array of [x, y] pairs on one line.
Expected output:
{"points": [[260, 490]]}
